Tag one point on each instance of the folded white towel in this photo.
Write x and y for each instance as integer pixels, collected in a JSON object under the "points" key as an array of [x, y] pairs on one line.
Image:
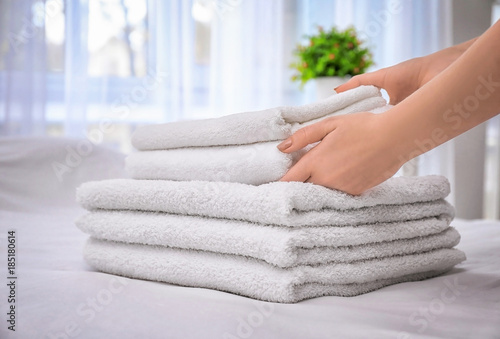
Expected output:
{"points": [[250, 127], [277, 245], [253, 164], [279, 203], [257, 279]]}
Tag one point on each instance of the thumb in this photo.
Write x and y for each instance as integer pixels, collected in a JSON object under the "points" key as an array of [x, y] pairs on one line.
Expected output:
{"points": [[373, 78]]}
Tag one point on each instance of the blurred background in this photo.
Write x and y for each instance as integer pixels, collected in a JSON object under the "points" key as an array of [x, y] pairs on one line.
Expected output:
{"points": [[97, 69]]}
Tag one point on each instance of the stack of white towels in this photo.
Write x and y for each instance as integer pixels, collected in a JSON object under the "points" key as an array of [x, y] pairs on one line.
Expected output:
{"points": [[213, 216]]}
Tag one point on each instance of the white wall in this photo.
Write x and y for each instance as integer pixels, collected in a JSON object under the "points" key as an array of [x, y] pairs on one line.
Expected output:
{"points": [[470, 19]]}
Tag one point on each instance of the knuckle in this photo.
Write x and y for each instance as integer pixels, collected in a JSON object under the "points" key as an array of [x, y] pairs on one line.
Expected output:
{"points": [[329, 125], [355, 79], [304, 132]]}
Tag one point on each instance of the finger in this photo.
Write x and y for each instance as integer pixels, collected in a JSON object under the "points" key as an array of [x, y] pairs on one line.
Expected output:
{"points": [[373, 78], [299, 172], [308, 135]]}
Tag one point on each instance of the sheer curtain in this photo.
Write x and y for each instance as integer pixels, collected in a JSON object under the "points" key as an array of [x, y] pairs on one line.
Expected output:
{"points": [[206, 57], [75, 68], [23, 91]]}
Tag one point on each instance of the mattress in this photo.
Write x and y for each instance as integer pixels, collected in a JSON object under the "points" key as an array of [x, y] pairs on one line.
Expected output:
{"points": [[57, 295]]}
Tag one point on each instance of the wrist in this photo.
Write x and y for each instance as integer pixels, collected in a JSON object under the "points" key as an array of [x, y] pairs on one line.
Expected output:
{"points": [[435, 63], [407, 133], [397, 137]]}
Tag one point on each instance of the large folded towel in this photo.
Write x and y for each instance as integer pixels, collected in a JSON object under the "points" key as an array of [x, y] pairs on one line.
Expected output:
{"points": [[278, 203], [250, 127], [277, 245], [257, 279], [253, 164]]}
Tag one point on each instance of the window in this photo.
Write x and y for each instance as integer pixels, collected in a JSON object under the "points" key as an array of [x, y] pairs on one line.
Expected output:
{"points": [[117, 38]]}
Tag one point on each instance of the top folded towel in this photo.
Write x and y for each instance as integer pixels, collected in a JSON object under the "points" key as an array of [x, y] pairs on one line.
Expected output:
{"points": [[250, 127]]}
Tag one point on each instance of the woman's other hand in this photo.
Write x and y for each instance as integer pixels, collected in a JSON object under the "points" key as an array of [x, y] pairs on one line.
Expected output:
{"points": [[403, 79]]}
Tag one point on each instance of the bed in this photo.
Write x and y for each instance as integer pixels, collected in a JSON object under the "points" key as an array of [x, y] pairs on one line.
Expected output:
{"points": [[57, 295]]}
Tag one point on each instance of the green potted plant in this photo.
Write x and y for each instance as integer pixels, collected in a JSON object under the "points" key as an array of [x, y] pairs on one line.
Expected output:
{"points": [[330, 58]]}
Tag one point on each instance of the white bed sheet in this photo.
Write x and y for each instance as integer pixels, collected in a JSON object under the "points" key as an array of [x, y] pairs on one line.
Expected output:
{"points": [[60, 296]]}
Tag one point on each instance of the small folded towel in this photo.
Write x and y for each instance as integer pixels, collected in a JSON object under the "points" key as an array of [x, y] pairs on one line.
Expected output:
{"points": [[251, 127], [278, 203], [252, 164], [277, 245], [257, 279]]}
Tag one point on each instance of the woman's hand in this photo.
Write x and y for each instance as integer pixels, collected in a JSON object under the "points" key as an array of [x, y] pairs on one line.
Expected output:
{"points": [[403, 79], [356, 152]]}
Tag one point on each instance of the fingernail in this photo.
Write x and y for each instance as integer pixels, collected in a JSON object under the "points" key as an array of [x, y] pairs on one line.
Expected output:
{"points": [[335, 89], [285, 144]]}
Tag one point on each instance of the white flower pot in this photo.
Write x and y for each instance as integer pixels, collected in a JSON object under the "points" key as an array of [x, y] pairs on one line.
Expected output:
{"points": [[325, 86]]}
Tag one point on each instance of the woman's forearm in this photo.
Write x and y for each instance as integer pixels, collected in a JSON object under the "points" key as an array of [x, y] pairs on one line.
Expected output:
{"points": [[462, 96]]}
